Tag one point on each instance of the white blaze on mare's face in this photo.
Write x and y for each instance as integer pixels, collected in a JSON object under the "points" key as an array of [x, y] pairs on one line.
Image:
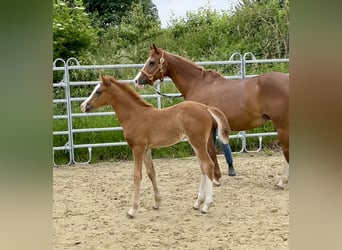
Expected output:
{"points": [[137, 85], [84, 104]]}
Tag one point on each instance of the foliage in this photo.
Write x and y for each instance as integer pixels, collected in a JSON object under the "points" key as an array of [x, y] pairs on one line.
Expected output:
{"points": [[109, 13], [129, 41], [72, 32], [261, 27]]}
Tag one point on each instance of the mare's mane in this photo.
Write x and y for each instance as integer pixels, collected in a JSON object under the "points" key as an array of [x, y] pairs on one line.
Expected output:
{"points": [[204, 72], [130, 92]]}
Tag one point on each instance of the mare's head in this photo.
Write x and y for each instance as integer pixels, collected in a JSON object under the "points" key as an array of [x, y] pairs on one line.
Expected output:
{"points": [[154, 68], [100, 96]]}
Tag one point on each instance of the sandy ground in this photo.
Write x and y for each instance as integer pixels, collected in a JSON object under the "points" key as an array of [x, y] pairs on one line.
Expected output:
{"points": [[90, 203]]}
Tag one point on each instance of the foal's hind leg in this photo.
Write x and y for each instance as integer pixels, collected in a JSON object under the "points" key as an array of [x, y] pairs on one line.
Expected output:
{"points": [[205, 193], [152, 175], [212, 153]]}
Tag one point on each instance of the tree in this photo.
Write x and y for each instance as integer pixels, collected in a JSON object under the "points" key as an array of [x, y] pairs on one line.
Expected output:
{"points": [[261, 27], [72, 32], [109, 13], [131, 38]]}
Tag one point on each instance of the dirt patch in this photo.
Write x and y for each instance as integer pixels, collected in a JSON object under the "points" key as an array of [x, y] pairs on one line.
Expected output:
{"points": [[90, 203]]}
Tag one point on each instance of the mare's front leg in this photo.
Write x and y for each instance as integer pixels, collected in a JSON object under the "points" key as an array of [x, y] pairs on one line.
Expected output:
{"points": [[138, 153], [152, 175], [212, 153], [283, 136]]}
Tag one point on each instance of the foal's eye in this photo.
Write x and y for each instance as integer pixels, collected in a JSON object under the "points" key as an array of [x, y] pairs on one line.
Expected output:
{"points": [[151, 63], [97, 92]]}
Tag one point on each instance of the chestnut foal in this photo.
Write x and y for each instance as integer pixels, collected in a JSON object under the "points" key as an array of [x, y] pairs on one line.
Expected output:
{"points": [[146, 127]]}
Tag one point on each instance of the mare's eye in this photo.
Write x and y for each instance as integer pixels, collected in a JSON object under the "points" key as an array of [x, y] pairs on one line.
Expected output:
{"points": [[151, 63], [98, 92]]}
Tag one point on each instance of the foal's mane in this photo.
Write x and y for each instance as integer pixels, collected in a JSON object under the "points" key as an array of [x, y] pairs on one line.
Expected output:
{"points": [[130, 92]]}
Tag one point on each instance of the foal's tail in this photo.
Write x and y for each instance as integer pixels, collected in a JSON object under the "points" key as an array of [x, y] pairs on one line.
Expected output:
{"points": [[222, 124]]}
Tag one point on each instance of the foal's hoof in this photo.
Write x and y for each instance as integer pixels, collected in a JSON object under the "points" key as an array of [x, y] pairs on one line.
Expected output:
{"points": [[278, 187], [216, 183], [129, 216], [155, 208]]}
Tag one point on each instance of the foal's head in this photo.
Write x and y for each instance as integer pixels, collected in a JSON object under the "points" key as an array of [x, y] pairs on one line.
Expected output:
{"points": [[154, 68], [100, 96]]}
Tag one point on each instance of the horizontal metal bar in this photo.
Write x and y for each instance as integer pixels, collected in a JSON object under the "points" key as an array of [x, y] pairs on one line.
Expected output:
{"points": [[61, 84], [61, 148], [166, 79], [85, 130], [60, 132], [58, 68], [92, 114], [139, 65], [59, 117], [59, 101], [109, 144], [79, 99], [261, 134], [84, 115], [218, 62], [109, 66], [267, 61]]}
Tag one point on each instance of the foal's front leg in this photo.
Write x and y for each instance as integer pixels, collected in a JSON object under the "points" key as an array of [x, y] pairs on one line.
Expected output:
{"points": [[137, 175], [152, 175]]}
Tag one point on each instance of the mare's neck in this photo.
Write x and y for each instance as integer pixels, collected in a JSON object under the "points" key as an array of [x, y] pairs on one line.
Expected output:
{"points": [[126, 103], [183, 73]]}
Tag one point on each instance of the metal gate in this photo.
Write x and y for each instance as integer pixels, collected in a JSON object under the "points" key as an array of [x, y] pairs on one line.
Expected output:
{"points": [[65, 85]]}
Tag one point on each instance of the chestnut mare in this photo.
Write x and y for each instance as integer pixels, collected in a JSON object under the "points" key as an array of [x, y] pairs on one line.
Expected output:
{"points": [[146, 127], [247, 103]]}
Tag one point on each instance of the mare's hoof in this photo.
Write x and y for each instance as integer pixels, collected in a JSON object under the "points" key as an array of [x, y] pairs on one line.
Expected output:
{"points": [[195, 208], [204, 212], [155, 208]]}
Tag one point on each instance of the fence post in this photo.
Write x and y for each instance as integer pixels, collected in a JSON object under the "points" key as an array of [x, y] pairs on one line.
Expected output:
{"points": [[244, 62], [241, 62], [64, 83], [69, 107]]}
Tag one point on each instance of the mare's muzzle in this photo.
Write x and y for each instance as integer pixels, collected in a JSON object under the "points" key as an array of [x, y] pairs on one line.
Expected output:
{"points": [[142, 81], [86, 107]]}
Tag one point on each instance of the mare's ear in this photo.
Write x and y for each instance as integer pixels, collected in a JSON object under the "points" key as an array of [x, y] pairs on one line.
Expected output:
{"points": [[105, 80], [154, 47]]}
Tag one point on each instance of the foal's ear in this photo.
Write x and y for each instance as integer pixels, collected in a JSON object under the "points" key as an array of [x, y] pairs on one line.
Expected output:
{"points": [[105, 80], [154, 47]]}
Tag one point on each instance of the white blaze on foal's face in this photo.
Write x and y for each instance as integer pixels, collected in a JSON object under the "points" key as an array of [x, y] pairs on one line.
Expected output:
{"points": [[84, 104]]}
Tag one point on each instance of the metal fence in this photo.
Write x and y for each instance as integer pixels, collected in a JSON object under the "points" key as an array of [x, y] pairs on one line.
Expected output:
{"points": [[65, 85]]}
